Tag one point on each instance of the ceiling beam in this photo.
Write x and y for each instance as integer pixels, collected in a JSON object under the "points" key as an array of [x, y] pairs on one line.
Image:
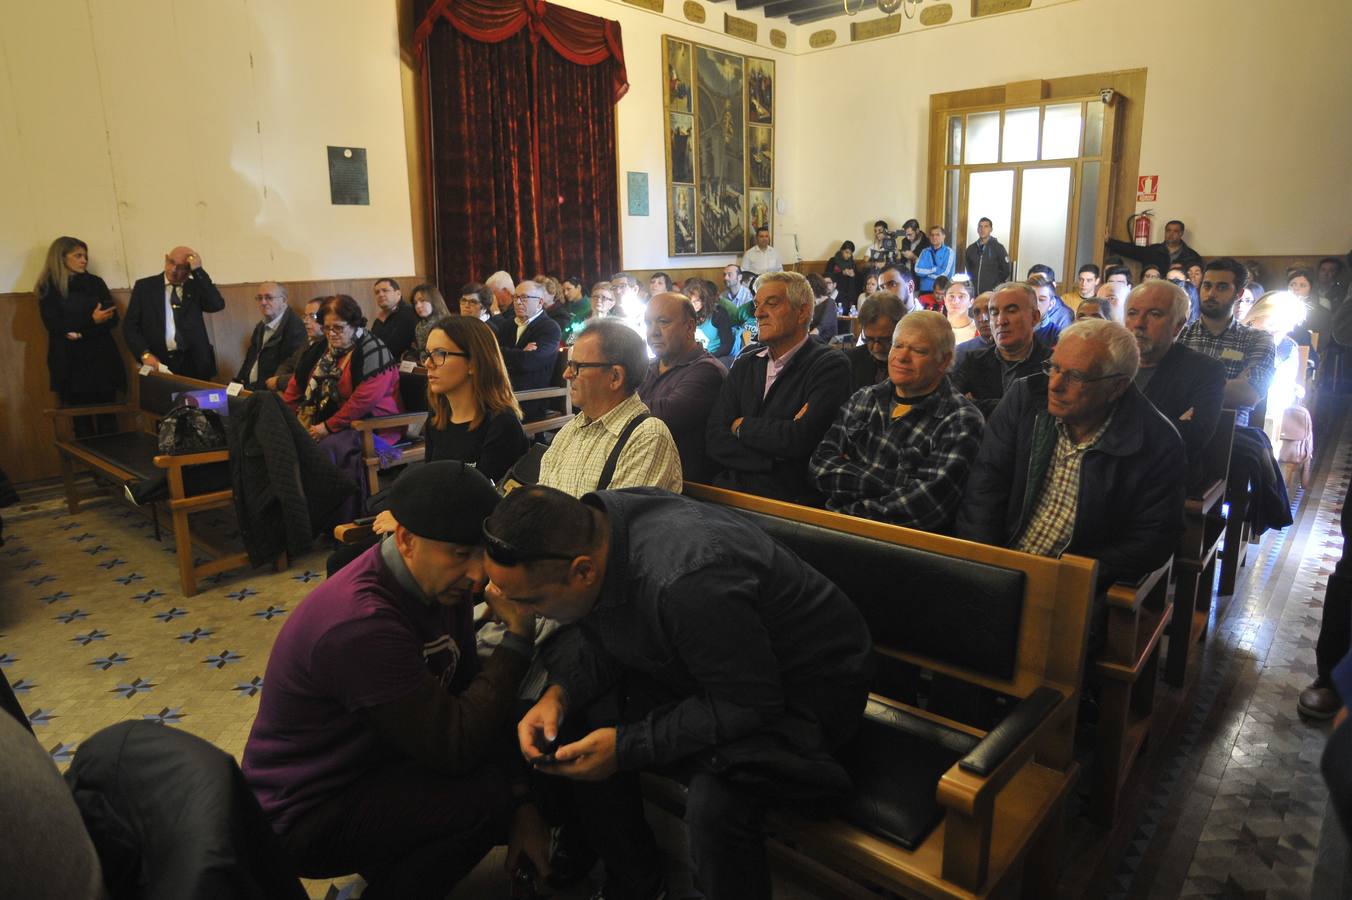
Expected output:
{"points": [[750, 4], [821, 11], [789, 7]]}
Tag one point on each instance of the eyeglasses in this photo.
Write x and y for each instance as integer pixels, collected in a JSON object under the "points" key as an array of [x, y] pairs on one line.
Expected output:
{"points": [[877, 341], [529, 297], [261, 297], [435, 359], [335, 329], [313, 317], [1050, 368], [505, 554], [573, 367]]}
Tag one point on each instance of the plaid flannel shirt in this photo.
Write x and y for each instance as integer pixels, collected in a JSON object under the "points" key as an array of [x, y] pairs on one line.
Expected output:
{"points": [[1052, 523], [1238, 347], [908, 471]]}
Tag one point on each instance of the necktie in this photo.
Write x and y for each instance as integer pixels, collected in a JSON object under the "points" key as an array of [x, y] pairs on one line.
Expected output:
{"points": [[170, 326]]}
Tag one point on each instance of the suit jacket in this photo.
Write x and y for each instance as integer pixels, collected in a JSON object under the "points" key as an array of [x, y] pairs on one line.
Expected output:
{"points": [[285, 341], [864, 369], [770, 452], [530, 369], [398, 330], [1188, 380], [143, 327], [1156, 254]]}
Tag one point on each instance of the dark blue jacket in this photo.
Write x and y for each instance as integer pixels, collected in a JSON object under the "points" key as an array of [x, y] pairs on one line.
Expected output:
{"points": [[1058, 319], [1130, 509]]}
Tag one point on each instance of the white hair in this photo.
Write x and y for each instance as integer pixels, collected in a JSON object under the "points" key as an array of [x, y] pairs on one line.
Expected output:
{"points": [[1121, 355], [795, 285], [1181, 303], [500, 281], [935, 326]]}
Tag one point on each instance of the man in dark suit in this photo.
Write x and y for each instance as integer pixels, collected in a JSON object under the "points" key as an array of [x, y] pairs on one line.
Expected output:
{"points": [[164, 323], [878, 317], [396, 322], [1186, 386], [778, 400], [280, 334], [530, 340]]}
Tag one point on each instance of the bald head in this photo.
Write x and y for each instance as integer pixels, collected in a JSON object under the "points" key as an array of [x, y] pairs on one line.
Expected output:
{"points": [[669, 325], [179, 263]]}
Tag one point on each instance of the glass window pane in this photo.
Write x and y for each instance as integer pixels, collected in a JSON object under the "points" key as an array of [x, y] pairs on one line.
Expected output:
{"points": [[1020, 143], [990, 194], [1044, 207], [1087, 236], [1093, 129], [1061, 131], [954, 140], [952, 181], [983, 138]]}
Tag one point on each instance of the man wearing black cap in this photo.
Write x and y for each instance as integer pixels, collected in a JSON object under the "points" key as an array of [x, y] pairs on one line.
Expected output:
{"points": [[378, 742]]}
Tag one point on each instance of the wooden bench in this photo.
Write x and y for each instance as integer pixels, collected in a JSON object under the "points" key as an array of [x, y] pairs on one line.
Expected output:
{"points": [[413, 396], [130, 456], [943, 808], [1195, 559]]}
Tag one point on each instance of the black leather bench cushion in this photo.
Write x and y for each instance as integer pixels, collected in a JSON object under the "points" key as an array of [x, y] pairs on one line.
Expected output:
{"points": [[895, 762], [134, 451], [950, 610]]}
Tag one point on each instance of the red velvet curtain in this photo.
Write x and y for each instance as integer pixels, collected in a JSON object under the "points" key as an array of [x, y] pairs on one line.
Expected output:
{"points": [[520, 125]]}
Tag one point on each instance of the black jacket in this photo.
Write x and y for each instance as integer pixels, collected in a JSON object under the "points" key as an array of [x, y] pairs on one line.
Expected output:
{"points": [[984, 375], [1130, 508], [285, 486], [171, 816], [93, 363], [1187, 380], [988, 265], [529, 369], [143, 328], [758, 664], [398, 330], [770, 453], [285, 341], [865, 371], [1154, 254], [847, 286]]}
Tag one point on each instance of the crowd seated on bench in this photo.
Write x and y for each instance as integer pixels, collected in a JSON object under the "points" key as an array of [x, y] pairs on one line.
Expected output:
{"points": [[1005, 441]]}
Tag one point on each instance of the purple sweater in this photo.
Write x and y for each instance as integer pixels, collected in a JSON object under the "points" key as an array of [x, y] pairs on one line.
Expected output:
{"points": [[358, 641]]}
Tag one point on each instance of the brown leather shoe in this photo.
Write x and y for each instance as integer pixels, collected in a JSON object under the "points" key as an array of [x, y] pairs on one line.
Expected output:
{"points": [[1319, 701]]}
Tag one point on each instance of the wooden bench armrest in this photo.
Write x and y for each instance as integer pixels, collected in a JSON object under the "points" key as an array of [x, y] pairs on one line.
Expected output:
{"points": [[380, 423], [96, 409], [971, 785], [183, 460], [1206, 500], [542, 393], [1125, 595], [353, 532]]}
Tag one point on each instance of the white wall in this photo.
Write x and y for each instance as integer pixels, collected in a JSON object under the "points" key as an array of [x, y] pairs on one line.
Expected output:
{"points": [[642, 130], [141, 125], [1247, 119]]}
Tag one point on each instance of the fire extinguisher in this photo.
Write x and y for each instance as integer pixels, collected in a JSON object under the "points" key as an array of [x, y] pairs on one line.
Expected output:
{"points": [[1139, 225]]}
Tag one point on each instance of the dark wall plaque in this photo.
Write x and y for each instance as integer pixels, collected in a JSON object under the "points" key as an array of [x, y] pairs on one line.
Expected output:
{"points": [[348, 185]]}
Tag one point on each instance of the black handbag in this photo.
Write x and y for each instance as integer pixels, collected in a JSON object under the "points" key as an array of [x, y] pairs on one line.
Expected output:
{"points": [[188, 429]]}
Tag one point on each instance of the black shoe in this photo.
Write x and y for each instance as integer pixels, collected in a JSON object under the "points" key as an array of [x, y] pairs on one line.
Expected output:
{"points": [[571, 858]]}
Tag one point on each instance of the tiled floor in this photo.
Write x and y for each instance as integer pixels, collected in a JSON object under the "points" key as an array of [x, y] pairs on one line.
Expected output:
{"points": [[93, 630]]}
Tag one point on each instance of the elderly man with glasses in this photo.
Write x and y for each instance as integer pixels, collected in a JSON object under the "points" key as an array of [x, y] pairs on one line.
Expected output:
{"points": [[274, 340], [529, 341], [1076, 460]]}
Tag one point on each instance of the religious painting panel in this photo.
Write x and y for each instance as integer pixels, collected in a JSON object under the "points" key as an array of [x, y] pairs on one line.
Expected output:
{"points": [[681, 228], [720, 83], [760, 91], [680, 147]]}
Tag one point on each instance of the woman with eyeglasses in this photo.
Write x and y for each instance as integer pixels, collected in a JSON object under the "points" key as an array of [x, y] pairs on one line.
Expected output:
{"points": [[472, 415], [349, 375], [430, 308]]}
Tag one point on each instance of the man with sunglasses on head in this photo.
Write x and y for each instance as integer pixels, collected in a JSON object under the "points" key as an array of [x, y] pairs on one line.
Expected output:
{"points": [[1076, 460], [692, 645], [379, 743]]}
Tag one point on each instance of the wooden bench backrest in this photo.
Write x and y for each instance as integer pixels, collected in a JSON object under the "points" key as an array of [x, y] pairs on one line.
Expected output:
{"points": [[1058, 594], [155, 394], [1216, 454]]}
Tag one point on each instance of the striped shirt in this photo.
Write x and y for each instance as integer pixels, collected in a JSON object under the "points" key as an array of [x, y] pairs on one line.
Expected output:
{"points": [[1052, 524], [573, 463]]}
